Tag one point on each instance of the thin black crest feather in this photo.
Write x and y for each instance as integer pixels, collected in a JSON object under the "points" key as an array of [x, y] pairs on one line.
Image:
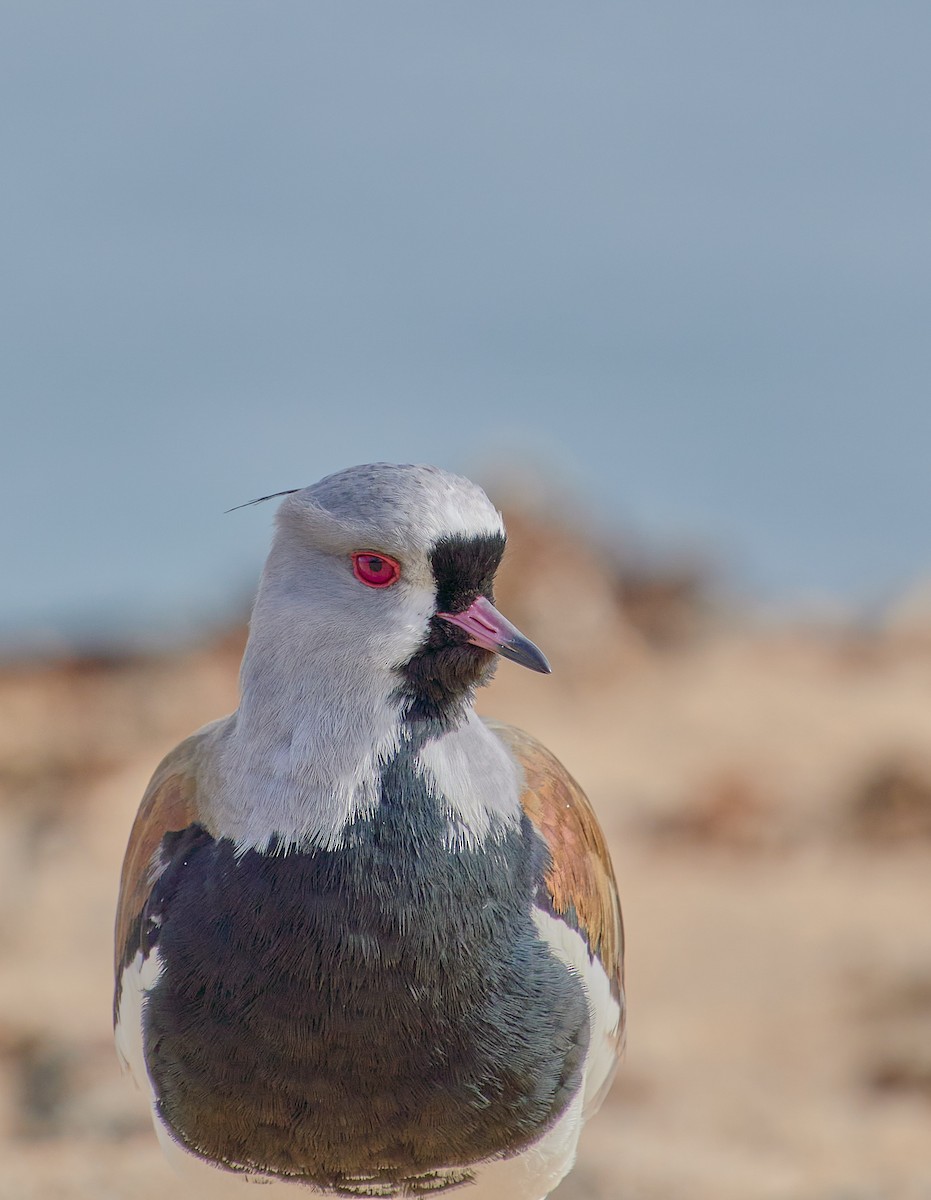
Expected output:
{"points": [[262, 499]]}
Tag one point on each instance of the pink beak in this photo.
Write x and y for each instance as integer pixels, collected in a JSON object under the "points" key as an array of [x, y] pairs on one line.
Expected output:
{"points": [[487, 628]]}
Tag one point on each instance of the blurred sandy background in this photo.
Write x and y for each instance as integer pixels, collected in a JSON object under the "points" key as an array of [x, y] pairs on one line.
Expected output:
{"points": [[767, 796], [661, 274]]}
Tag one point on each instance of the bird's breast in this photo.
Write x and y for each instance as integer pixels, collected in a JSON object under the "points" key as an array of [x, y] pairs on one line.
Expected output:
{"points": [[378, 1012]]}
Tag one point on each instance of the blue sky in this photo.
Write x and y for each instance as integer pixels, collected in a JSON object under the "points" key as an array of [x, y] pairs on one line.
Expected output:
{"points": [[679, 254]]}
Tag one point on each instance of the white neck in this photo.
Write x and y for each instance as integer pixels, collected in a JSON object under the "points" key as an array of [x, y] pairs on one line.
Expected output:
{"points": [[304, 753], [285, 773]]}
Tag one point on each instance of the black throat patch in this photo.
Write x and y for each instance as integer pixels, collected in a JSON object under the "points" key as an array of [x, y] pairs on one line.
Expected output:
{"points": [[373, 1020], [444, 673]]}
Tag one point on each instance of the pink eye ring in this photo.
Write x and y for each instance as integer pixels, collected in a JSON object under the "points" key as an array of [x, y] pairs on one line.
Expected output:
{"points": [[375, 570]]}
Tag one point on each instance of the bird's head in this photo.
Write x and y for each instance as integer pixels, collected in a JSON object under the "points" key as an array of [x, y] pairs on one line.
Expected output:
{"points": [[387, 572]]}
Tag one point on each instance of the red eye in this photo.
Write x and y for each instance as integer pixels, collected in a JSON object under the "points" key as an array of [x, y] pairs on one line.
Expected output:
{"points": [[375, 570]]}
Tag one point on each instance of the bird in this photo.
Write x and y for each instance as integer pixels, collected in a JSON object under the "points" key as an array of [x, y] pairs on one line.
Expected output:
{"points": [[369, 944]]}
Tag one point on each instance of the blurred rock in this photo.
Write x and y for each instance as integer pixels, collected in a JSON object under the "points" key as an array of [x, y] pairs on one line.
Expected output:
{"points": [[894, 803], [896, 1026], [595, 604], [59, 1087], [909, 616], [666, 604], [562, 591], [728, 809]]}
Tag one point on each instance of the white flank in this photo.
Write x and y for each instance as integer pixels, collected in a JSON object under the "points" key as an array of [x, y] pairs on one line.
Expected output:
{"points": [[138, 980], [604, 1010], [536, 1171]]}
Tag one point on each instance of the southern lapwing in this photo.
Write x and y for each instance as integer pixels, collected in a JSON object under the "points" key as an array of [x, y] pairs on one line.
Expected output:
{"points": [[369, 944]]}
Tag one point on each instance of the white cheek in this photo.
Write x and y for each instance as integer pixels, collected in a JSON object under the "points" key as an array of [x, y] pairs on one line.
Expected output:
{"points": [[402, 629]]}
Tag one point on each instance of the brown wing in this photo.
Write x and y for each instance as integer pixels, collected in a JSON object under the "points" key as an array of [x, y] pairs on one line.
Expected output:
{"points": [[580, 878], [169, 805]]}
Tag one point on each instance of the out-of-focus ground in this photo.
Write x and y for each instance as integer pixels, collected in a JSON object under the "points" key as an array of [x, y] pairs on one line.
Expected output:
{"points": [[766, 790]]}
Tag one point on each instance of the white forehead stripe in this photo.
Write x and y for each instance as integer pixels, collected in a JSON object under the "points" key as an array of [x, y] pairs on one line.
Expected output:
{"points": [[420, 504]]}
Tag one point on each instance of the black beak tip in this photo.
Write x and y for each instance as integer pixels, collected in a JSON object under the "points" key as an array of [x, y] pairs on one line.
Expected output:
{"points": [[523, 652]]}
